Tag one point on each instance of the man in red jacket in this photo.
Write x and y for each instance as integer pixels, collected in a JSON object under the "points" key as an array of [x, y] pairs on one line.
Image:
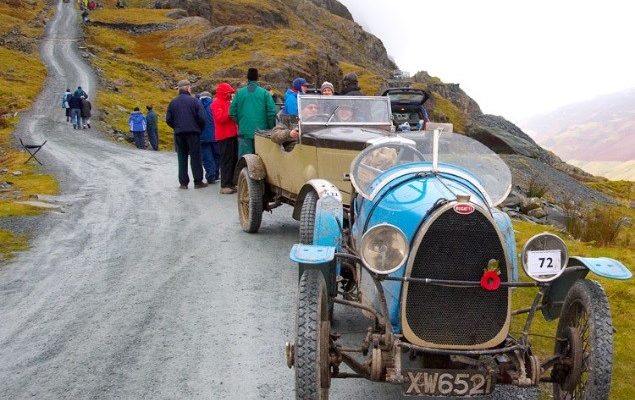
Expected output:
{"points": [[226, 133]]}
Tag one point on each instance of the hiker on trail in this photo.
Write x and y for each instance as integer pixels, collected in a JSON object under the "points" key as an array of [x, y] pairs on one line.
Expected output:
{"points": [[351, 86], [185, 115], [66, 97], [75, 103], [79, 92], [209, 151], [252, 108], [298, 86], [86, 112], [226, 133], [85, 16], [138, 124], [152, 127]]}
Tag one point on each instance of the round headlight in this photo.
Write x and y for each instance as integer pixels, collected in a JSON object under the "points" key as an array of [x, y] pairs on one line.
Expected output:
{"points": [[384, 248], [544, 257]]}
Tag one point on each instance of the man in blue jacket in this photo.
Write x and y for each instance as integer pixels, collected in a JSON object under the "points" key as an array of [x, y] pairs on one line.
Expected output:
{"points": [[185, 115], [209, 151]]}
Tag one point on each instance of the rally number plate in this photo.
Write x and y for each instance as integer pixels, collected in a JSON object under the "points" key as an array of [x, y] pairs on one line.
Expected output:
{"points": [[443, 382]]}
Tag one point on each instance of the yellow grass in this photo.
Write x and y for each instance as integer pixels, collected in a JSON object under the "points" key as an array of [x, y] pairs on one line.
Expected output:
{"points": [[135, 16], [11, 244], [621, 296], [22, 76]]}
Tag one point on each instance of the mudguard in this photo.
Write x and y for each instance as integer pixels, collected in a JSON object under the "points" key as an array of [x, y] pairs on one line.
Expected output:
{"points": [[327, 233], [255, 167], [311, 254], [557, 291], [322, 187]]}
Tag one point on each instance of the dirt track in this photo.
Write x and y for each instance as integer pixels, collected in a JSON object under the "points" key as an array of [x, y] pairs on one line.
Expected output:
{"points": [[139, 289]]}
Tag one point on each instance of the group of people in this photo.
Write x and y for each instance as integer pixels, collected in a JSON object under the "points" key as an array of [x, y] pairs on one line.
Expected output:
{"points": [[213, 133], [77, 107]]}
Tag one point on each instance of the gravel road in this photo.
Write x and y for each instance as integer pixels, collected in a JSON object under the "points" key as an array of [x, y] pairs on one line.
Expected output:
{"points": [[139, 289]]}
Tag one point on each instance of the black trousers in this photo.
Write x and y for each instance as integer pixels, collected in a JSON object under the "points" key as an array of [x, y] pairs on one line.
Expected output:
{"points": [[189, 144], [228, 149]]}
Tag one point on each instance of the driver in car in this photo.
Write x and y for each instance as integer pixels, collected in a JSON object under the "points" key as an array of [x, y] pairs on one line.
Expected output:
{"points": [[286, 131]]}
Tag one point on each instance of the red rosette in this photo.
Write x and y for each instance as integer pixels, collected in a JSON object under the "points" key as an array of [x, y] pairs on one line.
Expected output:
{"points": [[490, 280]]}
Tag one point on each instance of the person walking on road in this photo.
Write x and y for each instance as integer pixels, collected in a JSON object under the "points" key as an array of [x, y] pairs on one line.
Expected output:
{"points": [[138, 124], [86, 112], [79, 92], [226, 133], [209, 153], [66, 97], [76, 110], [185, 115], [152, 127], [252, 108]]}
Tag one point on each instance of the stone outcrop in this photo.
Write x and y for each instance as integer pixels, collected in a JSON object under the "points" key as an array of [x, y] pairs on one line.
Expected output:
{"points": [[334, 7], [194, 8]]}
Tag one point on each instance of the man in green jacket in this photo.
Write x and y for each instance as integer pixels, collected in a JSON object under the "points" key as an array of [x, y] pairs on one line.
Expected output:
{"points": [[252, 108]]}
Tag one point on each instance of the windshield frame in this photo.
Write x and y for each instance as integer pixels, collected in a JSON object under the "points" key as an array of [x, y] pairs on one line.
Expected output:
{"points": [[497, 174], [358, 100]]}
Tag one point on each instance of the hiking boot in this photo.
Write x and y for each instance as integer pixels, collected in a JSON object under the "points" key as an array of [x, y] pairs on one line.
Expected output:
{"points": [[200, 185], [183, 187], [212, 181], [227, 190]]}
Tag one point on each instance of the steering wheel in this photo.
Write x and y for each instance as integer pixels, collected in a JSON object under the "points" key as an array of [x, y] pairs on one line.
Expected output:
{"points": [[316, 118]]}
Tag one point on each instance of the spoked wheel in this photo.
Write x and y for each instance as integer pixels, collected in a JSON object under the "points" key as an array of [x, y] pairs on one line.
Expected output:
{"points": [[250, 202], [585, 340], [307, 217], [311, 350]]}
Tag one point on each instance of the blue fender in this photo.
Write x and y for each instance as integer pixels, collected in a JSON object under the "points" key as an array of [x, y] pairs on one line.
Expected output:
{"points": [[603, 266], [557, 291], [327, 235]]}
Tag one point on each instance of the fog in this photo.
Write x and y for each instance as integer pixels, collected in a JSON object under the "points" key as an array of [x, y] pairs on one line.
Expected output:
{"points": [[516, 59]]}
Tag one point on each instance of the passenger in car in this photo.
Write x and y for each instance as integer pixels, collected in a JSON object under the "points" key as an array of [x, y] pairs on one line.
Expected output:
{"points": [[345, 112], [286, 132]]}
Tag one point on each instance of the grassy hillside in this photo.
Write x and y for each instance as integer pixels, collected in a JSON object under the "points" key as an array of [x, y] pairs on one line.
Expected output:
{"points": [[621, 294], [21, 78]]}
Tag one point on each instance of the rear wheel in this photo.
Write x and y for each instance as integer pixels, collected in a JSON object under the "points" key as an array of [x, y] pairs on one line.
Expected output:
{"points": [[250, 202], [585, 340], [307, 217], [311, 350]]}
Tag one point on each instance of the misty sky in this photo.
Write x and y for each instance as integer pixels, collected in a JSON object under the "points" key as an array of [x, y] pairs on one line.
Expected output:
{"points": [[515, 58]]}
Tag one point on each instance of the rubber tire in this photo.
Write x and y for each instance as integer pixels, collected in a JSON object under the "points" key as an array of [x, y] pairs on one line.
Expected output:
{"points": [[307, 217], [250, 202], [311, 352], [590, 297]]}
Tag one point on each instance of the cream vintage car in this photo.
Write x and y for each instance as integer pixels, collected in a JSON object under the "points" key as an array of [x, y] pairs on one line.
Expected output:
{"points": [[318, 163]]}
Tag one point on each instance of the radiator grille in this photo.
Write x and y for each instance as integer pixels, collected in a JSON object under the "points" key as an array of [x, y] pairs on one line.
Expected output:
{"points": [[457, 247]]}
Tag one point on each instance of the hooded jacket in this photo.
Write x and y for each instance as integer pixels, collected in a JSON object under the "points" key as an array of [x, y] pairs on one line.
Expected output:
{"points": [[290, 102], [207, 135], [224, 125], [352, 90], [137, 122], [253, 108]]}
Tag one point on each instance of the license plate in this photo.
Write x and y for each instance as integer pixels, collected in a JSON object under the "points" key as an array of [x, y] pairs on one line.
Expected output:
{"points": [[443, 382]]}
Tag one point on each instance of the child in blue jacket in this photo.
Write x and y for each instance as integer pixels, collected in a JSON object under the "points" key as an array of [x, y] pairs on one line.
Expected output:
{"points": [[137, 123]]}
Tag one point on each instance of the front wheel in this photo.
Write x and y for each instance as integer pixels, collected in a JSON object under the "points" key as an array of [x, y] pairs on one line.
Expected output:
{"points": [[250, 202], [585, 342], [312, 366]]}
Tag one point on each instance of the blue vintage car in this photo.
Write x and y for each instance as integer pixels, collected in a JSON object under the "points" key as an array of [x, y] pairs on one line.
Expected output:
{"points": [[425, 254]]}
